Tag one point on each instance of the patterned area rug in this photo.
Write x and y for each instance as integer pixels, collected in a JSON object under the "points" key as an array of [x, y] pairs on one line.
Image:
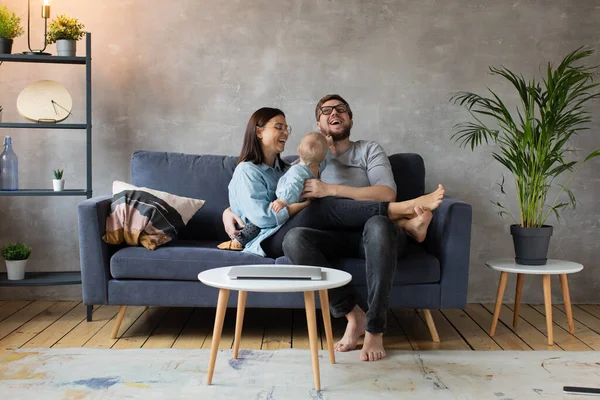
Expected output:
{"points": [[287, 374]]}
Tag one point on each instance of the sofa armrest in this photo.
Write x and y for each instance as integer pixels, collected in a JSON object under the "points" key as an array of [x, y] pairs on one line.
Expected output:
{"points": [[94, 253], [449, 239]]}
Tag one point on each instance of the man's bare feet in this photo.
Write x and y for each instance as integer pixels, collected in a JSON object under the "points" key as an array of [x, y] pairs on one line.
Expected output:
{"points": [[405, 209], [354, 330], [432, 200], [372, 349], [417, 227]]}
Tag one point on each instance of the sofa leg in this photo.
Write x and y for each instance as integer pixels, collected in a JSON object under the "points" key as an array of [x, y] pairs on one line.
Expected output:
{"points": [[431, 325], [118, 322], [90, 309]]}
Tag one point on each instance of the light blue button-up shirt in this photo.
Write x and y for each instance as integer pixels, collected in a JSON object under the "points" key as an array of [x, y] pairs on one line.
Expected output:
{"points": [[251, 191]]}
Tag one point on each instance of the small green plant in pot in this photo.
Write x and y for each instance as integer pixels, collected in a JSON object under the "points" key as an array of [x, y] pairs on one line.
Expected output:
{"points": [[65, 32], [534, 144], [58, 183], [10, 28], [16, 256]]}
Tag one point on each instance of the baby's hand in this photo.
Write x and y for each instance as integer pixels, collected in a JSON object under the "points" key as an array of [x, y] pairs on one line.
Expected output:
{"points": [[330, 144], [277, 205]]}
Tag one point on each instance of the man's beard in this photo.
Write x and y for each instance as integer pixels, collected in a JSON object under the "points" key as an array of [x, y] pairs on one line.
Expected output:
{"points": [[339, 136]]}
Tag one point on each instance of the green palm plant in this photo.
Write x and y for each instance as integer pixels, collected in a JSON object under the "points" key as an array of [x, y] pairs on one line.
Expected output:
{"points": [[534, 144]]}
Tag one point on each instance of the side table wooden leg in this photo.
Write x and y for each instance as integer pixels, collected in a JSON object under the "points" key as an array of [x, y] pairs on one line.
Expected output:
{"points": [[239, 321], [548, 307], [520, 279], [567, 298], [311, 320], [324, 297], [499, 296], [216, 339]]}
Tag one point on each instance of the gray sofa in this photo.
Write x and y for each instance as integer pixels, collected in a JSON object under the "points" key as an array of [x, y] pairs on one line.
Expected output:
{"points": [[432, 276]]}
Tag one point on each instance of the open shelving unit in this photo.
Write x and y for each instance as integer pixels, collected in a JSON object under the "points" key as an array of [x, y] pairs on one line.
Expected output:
{"points": [[68, 277]]}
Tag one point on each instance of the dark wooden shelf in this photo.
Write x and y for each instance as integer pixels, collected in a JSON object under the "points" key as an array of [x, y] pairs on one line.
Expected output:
{"points": [[33, 125], [42, 59], [44, 192], [44, 279]]}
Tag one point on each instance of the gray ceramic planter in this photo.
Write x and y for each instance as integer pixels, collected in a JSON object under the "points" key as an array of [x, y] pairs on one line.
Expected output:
{"points": [[66, 48], [531, 244], [6, 46]]}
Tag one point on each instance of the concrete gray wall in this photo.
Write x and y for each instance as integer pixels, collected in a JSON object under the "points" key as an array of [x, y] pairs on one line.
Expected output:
{"points": [[186, 75]]}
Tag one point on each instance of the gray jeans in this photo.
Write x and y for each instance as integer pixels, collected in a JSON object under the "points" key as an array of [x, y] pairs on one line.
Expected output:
{"points": [[379, 245]]}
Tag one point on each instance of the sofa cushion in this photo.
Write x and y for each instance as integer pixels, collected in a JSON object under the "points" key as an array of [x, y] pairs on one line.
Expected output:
{"points": [[199, 177], [145, 216], [177, 260], [412, 269]]}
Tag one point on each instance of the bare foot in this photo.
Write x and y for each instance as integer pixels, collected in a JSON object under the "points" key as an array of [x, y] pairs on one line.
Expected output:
{"points": [[372, 349], [405, 209], [354, 330], [432, 200], [417, 227]]}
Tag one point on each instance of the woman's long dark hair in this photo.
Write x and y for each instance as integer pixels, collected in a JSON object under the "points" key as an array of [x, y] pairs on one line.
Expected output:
{"points": [[251, 150]]}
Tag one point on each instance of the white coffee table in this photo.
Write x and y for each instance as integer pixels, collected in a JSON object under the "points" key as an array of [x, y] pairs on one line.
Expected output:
{"points": [[552, 267], [218, 278]]}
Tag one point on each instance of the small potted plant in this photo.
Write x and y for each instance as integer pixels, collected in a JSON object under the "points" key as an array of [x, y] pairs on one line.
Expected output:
{"points": [[10, 28], [58, 183], [16, 256], [65, 32]]}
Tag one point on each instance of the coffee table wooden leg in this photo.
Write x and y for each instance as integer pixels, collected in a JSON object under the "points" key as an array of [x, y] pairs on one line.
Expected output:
{"points": [[324, 297], [567, 298], [311, 321], [219, 318], [548, 307], [239, 321], [499, 296], [520, 279]]}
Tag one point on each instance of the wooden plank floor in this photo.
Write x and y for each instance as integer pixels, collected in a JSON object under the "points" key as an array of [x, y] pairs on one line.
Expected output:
{"points": [[28, 324]]}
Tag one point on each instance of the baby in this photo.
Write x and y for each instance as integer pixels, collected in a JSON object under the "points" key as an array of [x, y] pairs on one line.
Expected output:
{"points": [[313, 151]]}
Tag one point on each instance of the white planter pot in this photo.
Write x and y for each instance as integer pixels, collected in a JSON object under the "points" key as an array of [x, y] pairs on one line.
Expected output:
{"points": [[58, 185], [15, 269], [67, 48]]}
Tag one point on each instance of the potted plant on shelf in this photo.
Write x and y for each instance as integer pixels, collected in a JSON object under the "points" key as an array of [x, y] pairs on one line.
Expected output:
{"points": [[65, 32], [534, 143], [16, 256], [10, 28], [58, 183]]}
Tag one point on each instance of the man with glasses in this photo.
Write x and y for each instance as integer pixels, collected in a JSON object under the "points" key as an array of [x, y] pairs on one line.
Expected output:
{"points": [[359, 170]]}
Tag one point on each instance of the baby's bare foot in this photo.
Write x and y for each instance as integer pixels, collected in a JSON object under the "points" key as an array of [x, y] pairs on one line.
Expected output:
{"points": [[417, 227], [372, 349], [354, 330]]}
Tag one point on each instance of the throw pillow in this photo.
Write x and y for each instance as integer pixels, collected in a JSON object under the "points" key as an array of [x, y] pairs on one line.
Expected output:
{"points": [[149, 217]]}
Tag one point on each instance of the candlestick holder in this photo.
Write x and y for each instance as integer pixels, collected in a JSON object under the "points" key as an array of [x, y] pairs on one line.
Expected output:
{"points": [[45, 15]]}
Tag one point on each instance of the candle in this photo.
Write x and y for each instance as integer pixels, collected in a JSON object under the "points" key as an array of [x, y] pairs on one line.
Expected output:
{"points": [[46, 3]]}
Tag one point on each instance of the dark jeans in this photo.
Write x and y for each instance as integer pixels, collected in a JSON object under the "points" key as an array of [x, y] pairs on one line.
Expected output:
{"points": [[379, 244], [330, 214]]}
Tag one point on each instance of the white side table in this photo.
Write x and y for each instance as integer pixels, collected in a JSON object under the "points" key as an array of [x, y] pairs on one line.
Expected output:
{"points": [[552, 267], [218, 278]]}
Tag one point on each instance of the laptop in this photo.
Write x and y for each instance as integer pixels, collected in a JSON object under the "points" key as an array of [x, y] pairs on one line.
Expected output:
{"points": [[275, 272]]}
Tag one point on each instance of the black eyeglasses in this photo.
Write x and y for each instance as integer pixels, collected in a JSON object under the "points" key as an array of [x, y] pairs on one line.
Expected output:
{"points": [[341, 108]]}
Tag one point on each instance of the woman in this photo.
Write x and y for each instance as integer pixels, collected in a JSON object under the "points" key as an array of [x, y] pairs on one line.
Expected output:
{"points": [[252, 189]]}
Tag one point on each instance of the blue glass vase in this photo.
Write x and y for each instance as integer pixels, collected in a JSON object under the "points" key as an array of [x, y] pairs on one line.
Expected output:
{"points": [[9, 167]]}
